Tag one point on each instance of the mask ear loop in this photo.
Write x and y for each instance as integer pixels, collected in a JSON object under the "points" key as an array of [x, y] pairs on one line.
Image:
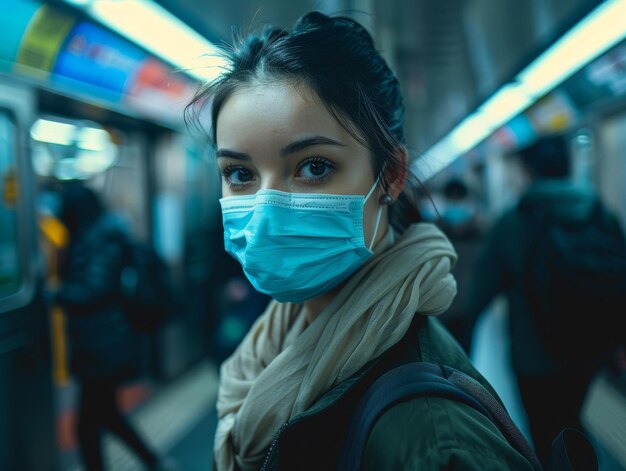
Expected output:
{"points": [[380, 209]]}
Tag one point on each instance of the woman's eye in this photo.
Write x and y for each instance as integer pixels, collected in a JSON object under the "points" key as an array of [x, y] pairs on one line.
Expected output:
{"points": [[237, 176], [316, 169]]}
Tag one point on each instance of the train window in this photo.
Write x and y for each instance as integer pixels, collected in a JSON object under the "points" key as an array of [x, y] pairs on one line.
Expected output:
{"points": [[67, 149], [10, 270]]}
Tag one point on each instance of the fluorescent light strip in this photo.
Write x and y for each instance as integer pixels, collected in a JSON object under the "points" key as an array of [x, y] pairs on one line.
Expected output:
{"points": [[53, 132], [595, 34], [599, 31], [509, 101], [158, 31]]}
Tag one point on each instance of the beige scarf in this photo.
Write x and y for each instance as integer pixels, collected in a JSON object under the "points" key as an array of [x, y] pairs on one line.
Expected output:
{"points": [[283, 366]]}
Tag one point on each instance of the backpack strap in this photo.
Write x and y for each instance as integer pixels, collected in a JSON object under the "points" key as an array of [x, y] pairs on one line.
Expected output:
{"points": [[418, 379], [571, 450]]}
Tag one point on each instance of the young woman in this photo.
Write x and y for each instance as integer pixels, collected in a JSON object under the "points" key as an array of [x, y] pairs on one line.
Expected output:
{"points": [[308, 129]]}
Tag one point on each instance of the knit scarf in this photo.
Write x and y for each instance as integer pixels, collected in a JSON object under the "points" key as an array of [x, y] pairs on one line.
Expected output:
{"points": [[283, 365]]}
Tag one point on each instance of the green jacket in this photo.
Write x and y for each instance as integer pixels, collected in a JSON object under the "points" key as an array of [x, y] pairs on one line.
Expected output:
{"points": [[426, 433]]}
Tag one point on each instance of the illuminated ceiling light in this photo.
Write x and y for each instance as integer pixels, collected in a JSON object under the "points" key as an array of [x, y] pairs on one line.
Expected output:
{"points": [[93, 139], [151, 26], [602, 29], [86, 150], [437, 157], [53, 132], [470, 132], [507, 103], [594, 35], [91, 163]]}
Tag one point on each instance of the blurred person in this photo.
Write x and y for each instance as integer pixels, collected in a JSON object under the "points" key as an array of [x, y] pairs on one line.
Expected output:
{"points": [[461, 223], [240, 305], [308, 128], [460, 215], [561, 308], [103, 350], [236, 304]]}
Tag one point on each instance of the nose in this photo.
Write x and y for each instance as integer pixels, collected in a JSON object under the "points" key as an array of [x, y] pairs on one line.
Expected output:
{"points": [[274, 182]]}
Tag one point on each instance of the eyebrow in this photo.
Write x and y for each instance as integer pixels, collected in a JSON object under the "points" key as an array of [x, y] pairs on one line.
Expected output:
{"points": [[232, 154], [287, 150], [309, 142]]}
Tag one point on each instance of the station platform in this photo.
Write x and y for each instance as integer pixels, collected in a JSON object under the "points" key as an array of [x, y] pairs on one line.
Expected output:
{"points": [[178, 421]]}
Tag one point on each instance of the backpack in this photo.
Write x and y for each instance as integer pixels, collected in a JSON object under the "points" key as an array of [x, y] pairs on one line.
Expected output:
{"points": [[575, 284], [145, 288], [571, 449]]}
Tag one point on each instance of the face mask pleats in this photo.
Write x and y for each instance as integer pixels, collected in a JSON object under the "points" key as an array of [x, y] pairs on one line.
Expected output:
{"points": [[295, 246]]}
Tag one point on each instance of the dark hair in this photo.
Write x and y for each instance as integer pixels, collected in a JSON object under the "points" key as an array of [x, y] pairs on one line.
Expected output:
{"points": [[455, 189], [548, 157], [335, 57]]}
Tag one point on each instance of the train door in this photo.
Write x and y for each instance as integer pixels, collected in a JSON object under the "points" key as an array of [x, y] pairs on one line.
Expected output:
{"points": [[109, 153], [26, 394]]}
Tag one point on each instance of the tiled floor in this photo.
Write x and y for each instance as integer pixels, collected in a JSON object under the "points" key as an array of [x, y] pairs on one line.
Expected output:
{"points": [[178, 421]]}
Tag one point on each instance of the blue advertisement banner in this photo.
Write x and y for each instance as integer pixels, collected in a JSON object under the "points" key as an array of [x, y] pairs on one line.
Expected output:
{"points": [[94, 56]]}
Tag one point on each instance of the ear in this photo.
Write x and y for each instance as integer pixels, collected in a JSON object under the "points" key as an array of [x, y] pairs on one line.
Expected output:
{"points": [[397, 173]]}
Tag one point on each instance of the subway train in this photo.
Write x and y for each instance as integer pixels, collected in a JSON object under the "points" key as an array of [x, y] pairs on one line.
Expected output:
{"points": [[139, 157], [79, 101]]}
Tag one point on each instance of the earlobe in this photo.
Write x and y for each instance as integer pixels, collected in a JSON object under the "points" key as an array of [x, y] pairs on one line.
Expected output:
{"points": [[397, 173]]}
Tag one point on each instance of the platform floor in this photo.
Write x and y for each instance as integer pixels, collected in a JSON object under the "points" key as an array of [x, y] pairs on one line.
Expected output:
{"points": [[180, 419]]}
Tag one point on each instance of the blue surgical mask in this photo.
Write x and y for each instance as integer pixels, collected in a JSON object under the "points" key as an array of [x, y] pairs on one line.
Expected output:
{"points": [[296, 246], [457, 214]]}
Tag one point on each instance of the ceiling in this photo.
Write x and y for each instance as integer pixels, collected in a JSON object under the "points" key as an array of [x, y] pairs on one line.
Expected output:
{"points": [[449, 55]]}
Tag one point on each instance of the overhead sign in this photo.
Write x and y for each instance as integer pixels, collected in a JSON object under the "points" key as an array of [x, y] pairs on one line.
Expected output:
{"points": [[82, 58], [157, 90], [94, 56], [42, 40], [602, 80]]}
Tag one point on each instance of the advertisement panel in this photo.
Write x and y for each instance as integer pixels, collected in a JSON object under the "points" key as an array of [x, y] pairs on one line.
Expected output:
{"points": [[159, 91], [98, 58], [601, 81], [42, 40]]}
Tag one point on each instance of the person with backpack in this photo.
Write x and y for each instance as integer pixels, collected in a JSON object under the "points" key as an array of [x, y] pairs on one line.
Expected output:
{"points": [[559, 256], [348, 367], [104, 351]]}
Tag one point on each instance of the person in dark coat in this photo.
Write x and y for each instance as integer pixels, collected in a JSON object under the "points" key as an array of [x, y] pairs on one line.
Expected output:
{"points": [[552, 389], [462, 224], [103, 350]]}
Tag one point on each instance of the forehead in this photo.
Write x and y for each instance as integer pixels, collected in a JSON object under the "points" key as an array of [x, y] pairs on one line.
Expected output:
{"points": [[276, 112]]}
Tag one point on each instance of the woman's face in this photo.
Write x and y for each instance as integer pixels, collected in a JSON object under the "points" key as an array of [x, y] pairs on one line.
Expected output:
{"points": [[279, 137]]}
